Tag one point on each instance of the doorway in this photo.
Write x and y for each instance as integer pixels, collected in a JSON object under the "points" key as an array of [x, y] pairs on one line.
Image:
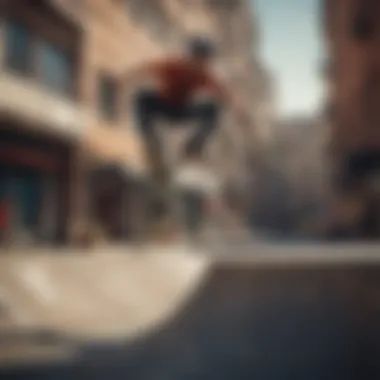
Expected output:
{"points": [[20, 196]]}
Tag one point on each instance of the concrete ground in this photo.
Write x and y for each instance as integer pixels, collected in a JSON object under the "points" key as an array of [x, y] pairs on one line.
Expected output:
{"points": [[51, 301]]}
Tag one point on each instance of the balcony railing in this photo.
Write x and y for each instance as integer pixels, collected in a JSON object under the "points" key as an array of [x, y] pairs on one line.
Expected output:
{"points": [[34, 105]]}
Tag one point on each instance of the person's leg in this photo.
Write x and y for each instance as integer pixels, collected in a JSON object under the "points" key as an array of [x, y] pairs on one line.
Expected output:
{"points": [[206, 115], [148, 108]]}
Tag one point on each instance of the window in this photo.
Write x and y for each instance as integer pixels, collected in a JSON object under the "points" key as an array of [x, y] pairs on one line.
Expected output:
{"points": [[18, 43], [107, 91], [363, 27], [55, 68], [25, 54]]}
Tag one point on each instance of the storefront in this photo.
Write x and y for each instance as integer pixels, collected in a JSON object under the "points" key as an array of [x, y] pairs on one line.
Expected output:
{"points": [[34, 191], [117, 203]]}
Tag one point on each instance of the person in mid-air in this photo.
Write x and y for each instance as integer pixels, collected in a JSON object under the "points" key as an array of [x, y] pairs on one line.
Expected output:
{"points": [[180, 81]]}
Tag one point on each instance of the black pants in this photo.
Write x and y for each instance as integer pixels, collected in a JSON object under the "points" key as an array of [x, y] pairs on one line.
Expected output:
{"points": [[150, 106]]}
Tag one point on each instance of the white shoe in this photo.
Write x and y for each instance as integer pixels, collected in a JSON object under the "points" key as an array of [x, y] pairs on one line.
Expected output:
{"points": [[195, 175]]}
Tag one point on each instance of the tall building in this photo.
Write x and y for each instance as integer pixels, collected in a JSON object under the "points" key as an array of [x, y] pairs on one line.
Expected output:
{"points": [[70, 155], [352, 76], [42, 120]]}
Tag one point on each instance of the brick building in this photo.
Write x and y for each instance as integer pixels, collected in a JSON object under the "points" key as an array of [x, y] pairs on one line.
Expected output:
{"points": [[69, 153], [352, 74]]}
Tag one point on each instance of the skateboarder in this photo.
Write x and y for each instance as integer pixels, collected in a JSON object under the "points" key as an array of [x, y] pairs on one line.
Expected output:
{"points": [[180, 81]]}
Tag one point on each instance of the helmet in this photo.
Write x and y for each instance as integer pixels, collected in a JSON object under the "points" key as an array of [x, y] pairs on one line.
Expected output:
{"points": [[201, 47]]}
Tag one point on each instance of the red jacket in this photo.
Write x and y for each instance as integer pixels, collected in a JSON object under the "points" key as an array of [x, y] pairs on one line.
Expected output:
{"points": [[180, 79]]}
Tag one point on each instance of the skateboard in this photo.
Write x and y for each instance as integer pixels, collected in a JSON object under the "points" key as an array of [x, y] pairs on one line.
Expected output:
{"points": [[180, 188], [173, 177]]}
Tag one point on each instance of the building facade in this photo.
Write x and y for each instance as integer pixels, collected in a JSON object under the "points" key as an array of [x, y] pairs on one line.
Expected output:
{"points": [[71, 160], [352, 76], [41, 121]]}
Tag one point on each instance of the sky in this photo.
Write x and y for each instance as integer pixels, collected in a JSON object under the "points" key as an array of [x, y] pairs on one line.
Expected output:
{"points": [[292, 49]]}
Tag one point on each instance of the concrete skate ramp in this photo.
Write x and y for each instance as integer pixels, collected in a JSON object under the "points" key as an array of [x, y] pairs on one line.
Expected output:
{"points": [[264, 322], [247, 318], [98, 295]]}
